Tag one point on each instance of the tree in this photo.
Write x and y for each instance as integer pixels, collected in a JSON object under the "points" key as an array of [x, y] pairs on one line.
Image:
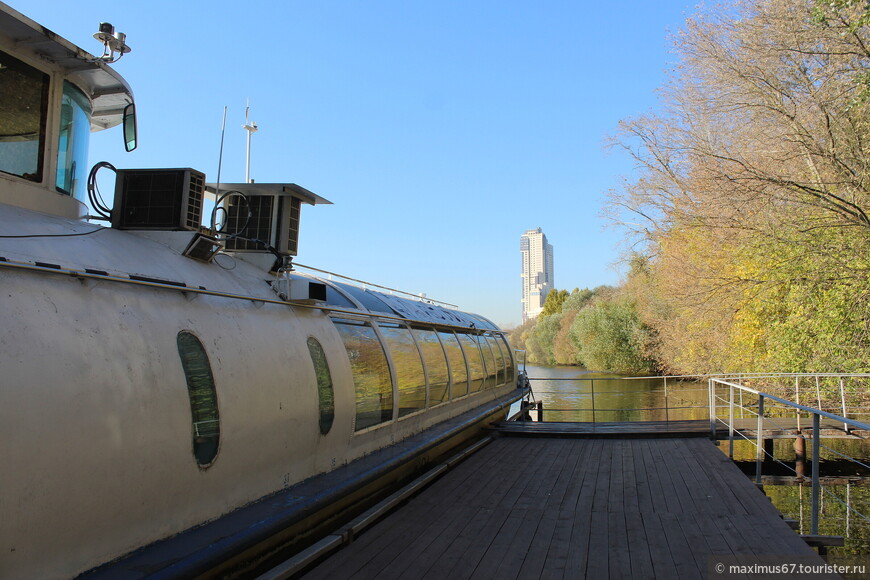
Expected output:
{"points": [[751, 206], [554, 301], [609, 336]]}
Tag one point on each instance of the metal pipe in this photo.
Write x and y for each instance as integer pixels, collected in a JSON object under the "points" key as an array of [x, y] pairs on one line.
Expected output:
{"points": [[731, 422], [818, 392], [759, 453], [816, 436], [667, 414], [592, 387], [843, 400], [712, 401], [797, 399]]}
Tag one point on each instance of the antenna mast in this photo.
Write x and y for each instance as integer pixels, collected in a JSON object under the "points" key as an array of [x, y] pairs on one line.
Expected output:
{"points": [[251, 128]]}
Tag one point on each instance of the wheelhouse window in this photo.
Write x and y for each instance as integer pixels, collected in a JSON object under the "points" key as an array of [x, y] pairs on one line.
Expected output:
{"points": [[458, 370], [371, 375], [23, 114], [325, 392], [436, 365], [203, 398], [75, 132], [410, 379]]}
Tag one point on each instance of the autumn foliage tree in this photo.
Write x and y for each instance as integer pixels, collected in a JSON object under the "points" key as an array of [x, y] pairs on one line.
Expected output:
{"points": [[751, 204]]}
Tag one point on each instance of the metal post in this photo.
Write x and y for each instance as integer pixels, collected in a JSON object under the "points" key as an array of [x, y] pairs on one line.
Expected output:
{"points": [[759, 453], [712, 400], [816, 436], [818, 393], [731, 422], [592, 387], [848, 507], [251, 128], [843, 400], [667, 415], [797, 399]]}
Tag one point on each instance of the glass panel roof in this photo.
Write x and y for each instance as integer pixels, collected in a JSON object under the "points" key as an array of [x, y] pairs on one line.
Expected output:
{"points": [[370, 300], [333, 296], [410, 309]]}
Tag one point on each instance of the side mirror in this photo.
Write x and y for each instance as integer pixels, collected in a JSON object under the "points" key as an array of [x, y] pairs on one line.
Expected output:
{"points": [[130, 127]]}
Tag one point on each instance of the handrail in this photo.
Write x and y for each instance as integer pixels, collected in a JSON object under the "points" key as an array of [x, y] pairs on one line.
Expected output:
{"points": [[838, 418], [817, 413]]}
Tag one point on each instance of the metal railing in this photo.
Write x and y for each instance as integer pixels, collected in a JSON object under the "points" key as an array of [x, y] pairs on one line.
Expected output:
{"points": [[838, 396], [757, 404], [671, 397]]}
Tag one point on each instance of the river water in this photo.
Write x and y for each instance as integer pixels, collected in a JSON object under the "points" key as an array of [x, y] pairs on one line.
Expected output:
{"points": [[567, 395]]}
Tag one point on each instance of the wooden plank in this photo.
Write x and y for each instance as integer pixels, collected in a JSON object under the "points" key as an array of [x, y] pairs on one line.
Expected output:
{"points": [[583, 531], [560, 547], [663, 563], [599, 498], [598, 556], [616, 488], [556, 542], [635, 484], [817, 540], [588, 471], [498, 549], [638, 546], [575, 465], [618, 554], [645, 463], [672, 458], [702, 472], [464, 549], [682, 554], [668, 500], [512, 561]]}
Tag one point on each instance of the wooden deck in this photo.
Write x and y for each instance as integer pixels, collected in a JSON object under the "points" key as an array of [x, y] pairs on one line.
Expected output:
{"points": [[574, 508]]}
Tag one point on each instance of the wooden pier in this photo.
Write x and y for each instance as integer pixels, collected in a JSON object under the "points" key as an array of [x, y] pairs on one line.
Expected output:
{"points": [[556, 507]]}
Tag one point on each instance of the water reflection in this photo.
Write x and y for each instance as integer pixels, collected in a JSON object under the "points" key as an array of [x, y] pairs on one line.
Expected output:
{"points": [[572, 394]]}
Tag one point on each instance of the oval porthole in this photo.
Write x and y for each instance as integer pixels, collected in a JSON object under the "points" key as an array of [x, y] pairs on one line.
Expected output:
{"points": [[325, 395], [203, 398]]}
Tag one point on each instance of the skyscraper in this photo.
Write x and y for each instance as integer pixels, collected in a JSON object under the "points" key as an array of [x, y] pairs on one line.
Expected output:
{"points": [[537, 271]]}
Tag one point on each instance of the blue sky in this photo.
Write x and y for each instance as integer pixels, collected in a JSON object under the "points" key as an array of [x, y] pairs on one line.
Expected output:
{"points": [[440, 130]]}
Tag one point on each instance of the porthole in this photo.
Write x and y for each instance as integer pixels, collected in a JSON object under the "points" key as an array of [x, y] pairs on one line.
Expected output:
{"points": [[203, 398], [325, 394]]}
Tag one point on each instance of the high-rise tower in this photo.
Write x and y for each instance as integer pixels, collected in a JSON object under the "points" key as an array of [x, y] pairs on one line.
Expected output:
{"points": [[537, 271]]}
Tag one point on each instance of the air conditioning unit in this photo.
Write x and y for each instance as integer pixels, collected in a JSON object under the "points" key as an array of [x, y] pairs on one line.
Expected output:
{"points": [[274, 220], [158, 199]]}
